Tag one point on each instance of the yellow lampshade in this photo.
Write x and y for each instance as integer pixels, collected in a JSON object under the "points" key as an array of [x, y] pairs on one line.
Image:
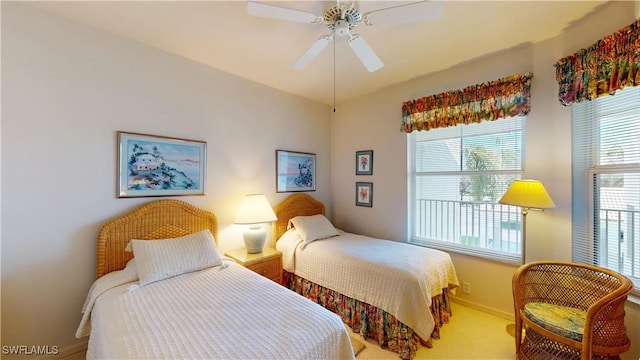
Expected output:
{"points": [[529, 194], [255, 209]]}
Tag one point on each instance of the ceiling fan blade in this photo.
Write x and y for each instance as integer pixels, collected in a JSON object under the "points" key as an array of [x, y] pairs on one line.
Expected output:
{"points": [[364, 52], [278, 12], [314, 50], [406, 13]]}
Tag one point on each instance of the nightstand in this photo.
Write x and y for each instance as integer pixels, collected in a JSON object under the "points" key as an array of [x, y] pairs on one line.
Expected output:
{"points": [[268, 263]]}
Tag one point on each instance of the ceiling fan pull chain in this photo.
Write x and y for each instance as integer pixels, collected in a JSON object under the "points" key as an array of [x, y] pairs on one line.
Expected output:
{"points": [[334, 76]]}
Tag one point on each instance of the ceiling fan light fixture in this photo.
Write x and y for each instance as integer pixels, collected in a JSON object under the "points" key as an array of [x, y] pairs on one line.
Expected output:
{"points": [[342, 28]]}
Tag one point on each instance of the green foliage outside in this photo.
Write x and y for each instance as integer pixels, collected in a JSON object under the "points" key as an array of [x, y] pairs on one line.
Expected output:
{"points": [[470, 240], [484, 186], [510, 225]]}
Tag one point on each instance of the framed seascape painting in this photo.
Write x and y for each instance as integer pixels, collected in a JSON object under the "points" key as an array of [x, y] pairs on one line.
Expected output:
{"points": [[295, 171], [151, 165], [364, 162], [364, 194]]}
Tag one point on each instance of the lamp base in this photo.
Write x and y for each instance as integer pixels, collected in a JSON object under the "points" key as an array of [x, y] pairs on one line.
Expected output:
{"points": [[254, 238], [511, 330]]}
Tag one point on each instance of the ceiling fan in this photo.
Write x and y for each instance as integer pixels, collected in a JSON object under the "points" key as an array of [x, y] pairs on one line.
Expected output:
{"points": [[342, 18]]}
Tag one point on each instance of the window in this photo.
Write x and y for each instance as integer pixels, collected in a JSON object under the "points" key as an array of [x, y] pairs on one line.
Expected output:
{"points": [[606, 182], [456, 177]]}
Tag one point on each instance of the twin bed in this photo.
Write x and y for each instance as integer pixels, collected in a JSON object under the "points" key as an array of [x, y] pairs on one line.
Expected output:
{"points": [[215, 308], [392, 292]]}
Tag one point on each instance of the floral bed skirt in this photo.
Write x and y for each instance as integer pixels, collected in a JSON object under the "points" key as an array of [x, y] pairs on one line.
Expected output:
{"points": [[370, 321]]}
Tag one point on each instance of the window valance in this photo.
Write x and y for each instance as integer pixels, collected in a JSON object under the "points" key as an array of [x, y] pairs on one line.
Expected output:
{"points": [[502, 98], [608, 65]]}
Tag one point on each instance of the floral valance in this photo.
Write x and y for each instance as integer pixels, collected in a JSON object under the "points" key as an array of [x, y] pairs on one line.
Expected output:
{"points": [[506, 97], [608, 65]]}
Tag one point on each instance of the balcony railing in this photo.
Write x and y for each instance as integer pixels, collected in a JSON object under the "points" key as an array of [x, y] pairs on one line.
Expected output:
{"points": [[497, 227], [477, 224], [617, 242]]}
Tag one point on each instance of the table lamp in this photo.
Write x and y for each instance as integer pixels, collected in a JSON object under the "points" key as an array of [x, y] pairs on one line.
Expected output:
{"points": [[254, 211]]}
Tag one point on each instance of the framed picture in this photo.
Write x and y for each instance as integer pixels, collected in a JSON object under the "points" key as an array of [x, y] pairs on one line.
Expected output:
{"points": [[364, 162], [295, 171], [151, 165], [364, 194]]}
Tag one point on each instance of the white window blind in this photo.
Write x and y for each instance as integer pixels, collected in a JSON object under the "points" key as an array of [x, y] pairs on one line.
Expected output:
{"points": [[457, 175], [606, 182]]}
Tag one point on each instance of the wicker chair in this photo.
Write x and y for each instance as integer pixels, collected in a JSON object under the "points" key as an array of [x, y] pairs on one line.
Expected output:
{"points": [[569, 311]]}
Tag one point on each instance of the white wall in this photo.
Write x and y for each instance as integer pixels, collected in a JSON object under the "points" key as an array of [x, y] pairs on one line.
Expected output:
{"points": [[373, 122], [66, 90]]}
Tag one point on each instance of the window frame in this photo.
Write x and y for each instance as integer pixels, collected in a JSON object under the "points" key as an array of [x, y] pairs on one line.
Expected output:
{"points": [[586, 189], [482, 252]]}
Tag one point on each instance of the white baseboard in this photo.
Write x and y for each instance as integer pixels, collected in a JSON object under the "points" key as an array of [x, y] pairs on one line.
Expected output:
{"points": [[487, 309]]}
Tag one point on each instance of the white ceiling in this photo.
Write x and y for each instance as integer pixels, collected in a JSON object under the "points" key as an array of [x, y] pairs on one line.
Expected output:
{"points": [[222, 35]]}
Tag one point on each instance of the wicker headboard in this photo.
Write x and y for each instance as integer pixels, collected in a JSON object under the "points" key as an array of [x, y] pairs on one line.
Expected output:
{"points": [[294, 205], [160, 219]]}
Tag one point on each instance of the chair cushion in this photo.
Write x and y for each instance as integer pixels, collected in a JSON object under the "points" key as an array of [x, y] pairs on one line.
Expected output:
{"points": [[562, 320]]}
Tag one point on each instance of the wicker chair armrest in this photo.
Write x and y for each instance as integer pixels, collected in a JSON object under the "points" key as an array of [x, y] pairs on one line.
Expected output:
{"points": [[609, 311]]}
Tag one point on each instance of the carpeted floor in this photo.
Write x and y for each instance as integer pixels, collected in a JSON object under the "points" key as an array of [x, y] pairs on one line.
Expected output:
{"points": [[470, 334]]}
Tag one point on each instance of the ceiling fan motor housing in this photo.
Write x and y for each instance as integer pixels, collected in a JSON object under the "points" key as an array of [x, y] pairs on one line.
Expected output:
{"points": [[341, 19]]}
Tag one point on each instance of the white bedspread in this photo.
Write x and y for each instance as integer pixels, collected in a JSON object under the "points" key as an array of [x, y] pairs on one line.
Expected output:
{"points": [[218, 313], [398, 278]]}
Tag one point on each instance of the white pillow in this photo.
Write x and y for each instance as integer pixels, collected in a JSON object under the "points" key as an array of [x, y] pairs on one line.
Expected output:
{"points": [[160, 259], [312, 228], [287, 244]]}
